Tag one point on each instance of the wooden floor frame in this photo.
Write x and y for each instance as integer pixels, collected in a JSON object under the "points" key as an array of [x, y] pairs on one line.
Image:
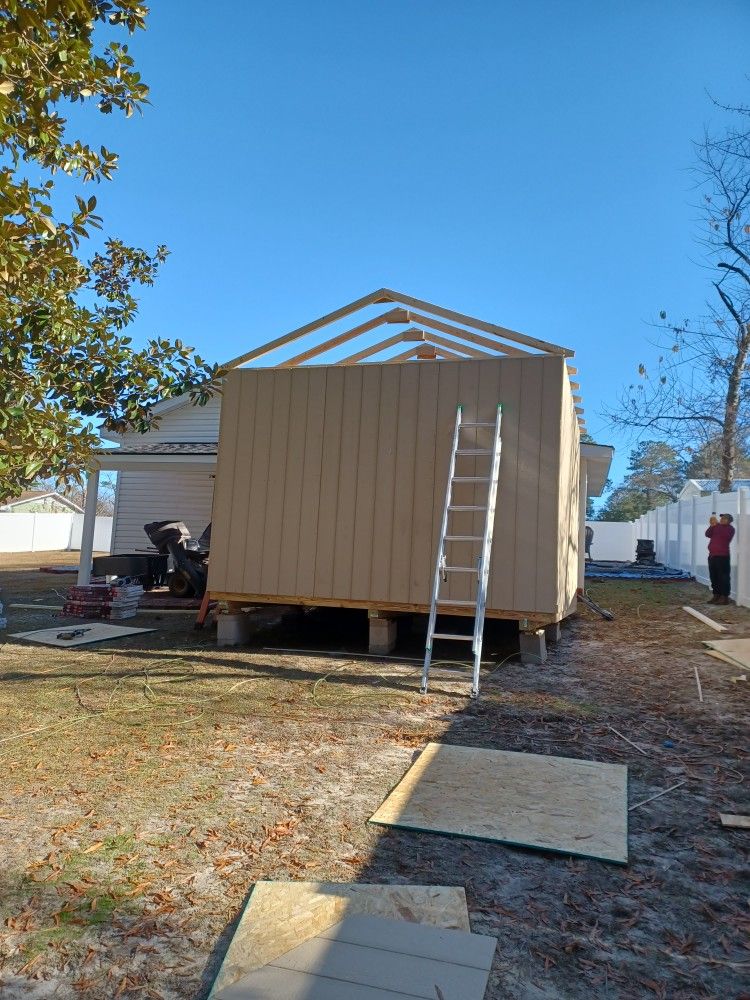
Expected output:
{"points": [[530, 619]]}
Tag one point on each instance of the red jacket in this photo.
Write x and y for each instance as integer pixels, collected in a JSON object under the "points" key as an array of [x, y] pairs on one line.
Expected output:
{"points": [[719, 536]]}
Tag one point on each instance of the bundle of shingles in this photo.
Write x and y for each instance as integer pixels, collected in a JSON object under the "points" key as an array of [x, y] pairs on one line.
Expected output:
{"points": [[102, 600]]}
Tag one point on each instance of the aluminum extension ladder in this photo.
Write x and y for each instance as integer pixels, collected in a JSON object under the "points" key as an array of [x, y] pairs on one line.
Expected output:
{"points": [[443, 567]]}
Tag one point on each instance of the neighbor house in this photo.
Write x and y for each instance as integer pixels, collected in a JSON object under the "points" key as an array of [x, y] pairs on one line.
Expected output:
{"points": [[40, 502], [705, 487]]}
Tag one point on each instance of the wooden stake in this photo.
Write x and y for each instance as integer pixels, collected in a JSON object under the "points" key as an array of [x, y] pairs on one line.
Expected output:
{"points": [[657, 796], [615, 731], [698, 682]]}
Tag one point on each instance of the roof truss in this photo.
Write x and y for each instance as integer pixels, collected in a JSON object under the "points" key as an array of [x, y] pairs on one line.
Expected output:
{"points": [[463, 330]]}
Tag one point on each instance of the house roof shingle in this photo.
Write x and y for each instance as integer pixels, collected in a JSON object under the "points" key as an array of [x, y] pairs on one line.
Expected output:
{"points": [[164, 448]]}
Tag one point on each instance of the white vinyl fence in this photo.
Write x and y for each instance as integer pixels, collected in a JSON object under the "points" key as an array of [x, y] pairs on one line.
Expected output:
{"points": [[50, 532], [613, 540], [678, 531]]}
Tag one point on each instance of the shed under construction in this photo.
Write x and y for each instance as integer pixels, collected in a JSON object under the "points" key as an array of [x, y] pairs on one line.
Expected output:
{"points": [[331, 478]]}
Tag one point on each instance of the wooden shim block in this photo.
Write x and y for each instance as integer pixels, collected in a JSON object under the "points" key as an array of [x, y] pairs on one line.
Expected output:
{"points": [[551, 803], [705, 619], [735, 820], [280, 915]]}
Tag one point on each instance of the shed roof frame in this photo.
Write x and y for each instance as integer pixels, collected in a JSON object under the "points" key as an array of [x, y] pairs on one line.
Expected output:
{"points": [[490, 335]]}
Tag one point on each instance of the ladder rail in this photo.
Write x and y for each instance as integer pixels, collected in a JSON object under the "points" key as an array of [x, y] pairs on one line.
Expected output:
{"points": [[440, 559], [484, 564]]}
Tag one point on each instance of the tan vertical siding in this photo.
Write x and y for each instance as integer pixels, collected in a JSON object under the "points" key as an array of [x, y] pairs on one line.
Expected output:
{"points": [[331, 481]]}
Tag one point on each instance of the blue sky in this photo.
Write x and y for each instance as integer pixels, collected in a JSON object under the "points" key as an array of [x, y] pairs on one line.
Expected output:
{"points": [[527, 163]]}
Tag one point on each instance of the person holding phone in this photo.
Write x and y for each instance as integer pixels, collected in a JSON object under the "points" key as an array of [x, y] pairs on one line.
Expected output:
{"points": [[719, 534]]}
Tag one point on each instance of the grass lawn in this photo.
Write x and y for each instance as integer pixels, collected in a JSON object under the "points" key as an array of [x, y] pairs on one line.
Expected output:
{"points": [[149, 782]]}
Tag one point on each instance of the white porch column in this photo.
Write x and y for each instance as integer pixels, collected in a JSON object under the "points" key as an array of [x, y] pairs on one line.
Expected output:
{"points": [[89, 524], [582, 489]]}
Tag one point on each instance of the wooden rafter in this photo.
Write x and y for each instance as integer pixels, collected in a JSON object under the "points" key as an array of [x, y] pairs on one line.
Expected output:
{"points": [[397, 315], [453, 345], [406, 302], [475, 338], [368, 352], [410, 353], [388, 295], [301, 331]]}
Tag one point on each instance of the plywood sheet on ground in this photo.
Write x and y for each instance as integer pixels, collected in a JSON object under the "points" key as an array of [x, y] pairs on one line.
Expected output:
{"points": [[737, 650], [280, 915], [378, 959], [552, 803], [94, 632]]}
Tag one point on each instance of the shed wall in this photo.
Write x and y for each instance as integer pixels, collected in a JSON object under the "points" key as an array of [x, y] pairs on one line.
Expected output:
{"points": [[331, 480]]}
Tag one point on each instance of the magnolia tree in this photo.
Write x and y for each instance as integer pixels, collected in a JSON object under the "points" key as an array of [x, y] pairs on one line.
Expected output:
{"points": [[67, 364]]}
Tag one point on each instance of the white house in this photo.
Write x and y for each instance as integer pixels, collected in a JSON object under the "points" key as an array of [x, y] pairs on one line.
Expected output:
{"points": [[166, 474], [705, 487]]}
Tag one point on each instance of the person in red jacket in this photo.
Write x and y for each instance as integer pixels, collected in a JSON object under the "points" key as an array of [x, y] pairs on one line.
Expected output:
{"points": [[719, 534]]}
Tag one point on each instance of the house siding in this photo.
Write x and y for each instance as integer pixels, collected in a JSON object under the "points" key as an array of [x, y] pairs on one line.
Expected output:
{"points": [[159, 496]]}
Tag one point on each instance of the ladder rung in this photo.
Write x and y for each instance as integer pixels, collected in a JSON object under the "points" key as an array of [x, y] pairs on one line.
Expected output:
{"points": [[464, 538], [460, 569], [471, 423], [466, 507], [449, 635], [462, 604], [474, 451], [471, 479]]}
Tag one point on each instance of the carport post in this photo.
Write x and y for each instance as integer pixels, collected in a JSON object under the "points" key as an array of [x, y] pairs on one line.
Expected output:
{"points": [[89, 525]]}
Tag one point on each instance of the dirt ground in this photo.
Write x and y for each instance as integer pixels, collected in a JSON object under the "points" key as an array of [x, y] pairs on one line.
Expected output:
{"points": [[149, 782]]}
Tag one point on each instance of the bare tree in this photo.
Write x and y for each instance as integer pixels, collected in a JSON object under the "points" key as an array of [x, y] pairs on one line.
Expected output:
{"points": [[698, 394]]}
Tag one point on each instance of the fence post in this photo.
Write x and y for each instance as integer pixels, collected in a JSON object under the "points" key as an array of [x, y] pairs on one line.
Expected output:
{"points": [[740, 548], [665, 560], [693, 541], [679, 535]]}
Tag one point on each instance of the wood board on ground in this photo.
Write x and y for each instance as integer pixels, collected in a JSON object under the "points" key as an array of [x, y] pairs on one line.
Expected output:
{"points": [[89, 632], [374, 958], [280, 915], [531, 800]]}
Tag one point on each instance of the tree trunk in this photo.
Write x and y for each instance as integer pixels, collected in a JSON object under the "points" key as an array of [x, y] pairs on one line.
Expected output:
{"points": [[731, 413]]}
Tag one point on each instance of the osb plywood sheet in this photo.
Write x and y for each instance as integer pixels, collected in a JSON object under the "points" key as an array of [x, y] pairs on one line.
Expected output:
{"points": [[388, 958], [95, 632], [553, 803], [280, 915], [736, 649]]}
